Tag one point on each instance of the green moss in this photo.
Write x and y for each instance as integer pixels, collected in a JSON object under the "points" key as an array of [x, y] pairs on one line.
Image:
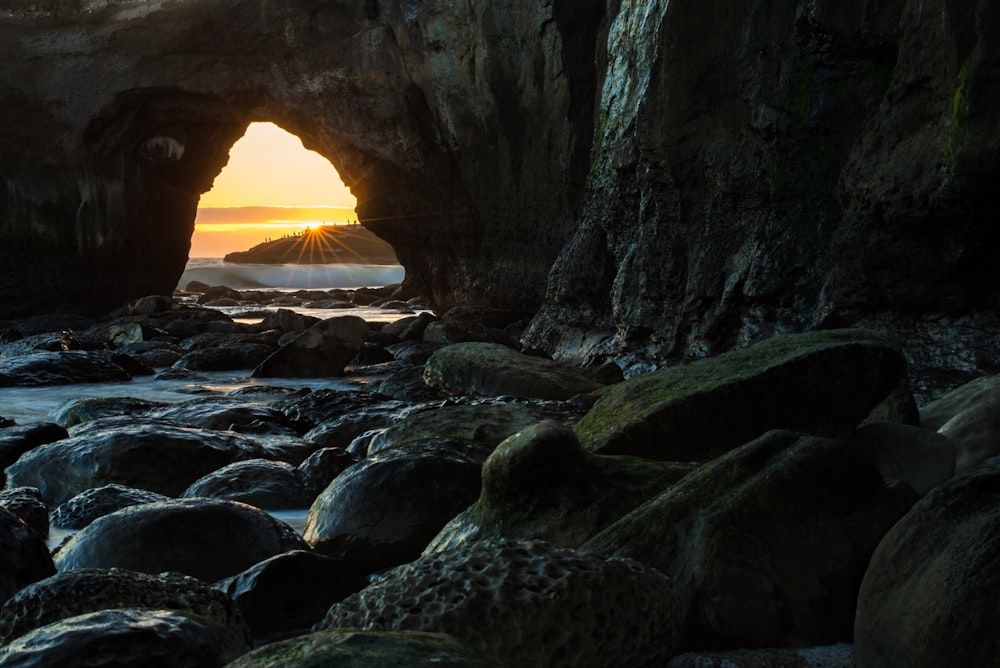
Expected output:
{"points": [[959, 119], [626, 407]]}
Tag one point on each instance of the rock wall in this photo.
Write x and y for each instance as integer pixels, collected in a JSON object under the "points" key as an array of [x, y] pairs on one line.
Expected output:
{"points": [[664, 179], [462, 128], [779, 166]]}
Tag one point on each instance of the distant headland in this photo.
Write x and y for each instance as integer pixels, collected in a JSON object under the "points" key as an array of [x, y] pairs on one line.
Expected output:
{"points": [[325, 244]]}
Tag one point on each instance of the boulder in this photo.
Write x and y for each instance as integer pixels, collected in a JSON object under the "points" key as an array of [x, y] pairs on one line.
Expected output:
{"points": [[414, 352], [493, 370], [15, 440], [338, 432], [155, 456], [983, 390], [85, 409], [150, 638], [154, 354], [27, 504], [370, 649], [526, 603], [830, 656], [822, 383], [209, 539], [308, 411], [86, 590], [225, 358], [322, 350], [290, 592], [487, 423], [919, 457], [322, 466], [219, 413], [87, 506], [24, 558], [766, 545], [540, 484], [975, 431], [257, 482], [407, 385], [930, 592], [420, 486], [59, 368], [411, 328]]}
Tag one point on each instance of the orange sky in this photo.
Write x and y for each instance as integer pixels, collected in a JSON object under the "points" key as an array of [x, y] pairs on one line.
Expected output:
{"points": [[268, 167]]}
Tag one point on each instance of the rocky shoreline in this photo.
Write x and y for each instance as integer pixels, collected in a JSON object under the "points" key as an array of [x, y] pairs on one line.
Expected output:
{"points": [[475, 504]]}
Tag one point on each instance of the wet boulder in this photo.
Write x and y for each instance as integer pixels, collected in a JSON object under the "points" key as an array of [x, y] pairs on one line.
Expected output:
{"points": [[322, 350], [767, 544], [384, 510], [87, 506], [983, 390], [930, 591], [257, 482], [59, 368], [24, 558], [27, 504], [526, 603], [919, 457], [151, 638], [218, 413], [85, 409], [321, 467], [151, 455], [338, 432], [823, 383], [369, 649], [15, 440], [540, 484], [230, 357], [309, 411], [290, 592], [407, 385], [87, 590], [493, 370], [486, 422], [209, 539]]}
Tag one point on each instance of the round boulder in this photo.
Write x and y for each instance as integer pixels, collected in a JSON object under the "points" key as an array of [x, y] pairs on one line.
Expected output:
{"points": [[150, 638], [526, 604], [493, 370], [930, 592], [373, 649], [24, 558], [258, 482], [152, 455], [87, 506], [208, 539], [87, 590], [322, 350], [384, 510]]}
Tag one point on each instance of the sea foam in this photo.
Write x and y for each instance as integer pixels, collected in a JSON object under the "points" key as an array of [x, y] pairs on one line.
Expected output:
{"points": [[213, 271]]}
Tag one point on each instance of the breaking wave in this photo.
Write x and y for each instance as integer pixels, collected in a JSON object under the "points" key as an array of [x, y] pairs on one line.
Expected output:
{"points": [[213, 271]]}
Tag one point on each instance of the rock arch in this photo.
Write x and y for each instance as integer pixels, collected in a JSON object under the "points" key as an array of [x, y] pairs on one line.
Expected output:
{"points": [[116, 114]]}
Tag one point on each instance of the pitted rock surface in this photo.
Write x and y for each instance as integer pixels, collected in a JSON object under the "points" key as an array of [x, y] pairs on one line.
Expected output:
{"points": [[527, 603], [87, 506], [258, 482], [90, 589]]}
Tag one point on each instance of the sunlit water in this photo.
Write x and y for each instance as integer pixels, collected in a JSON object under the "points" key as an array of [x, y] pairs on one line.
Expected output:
{"points": [[213, 271]]}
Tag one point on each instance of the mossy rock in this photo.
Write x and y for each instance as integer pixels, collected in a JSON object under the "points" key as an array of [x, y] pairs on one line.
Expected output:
{"points": [[370, 649], [767, 545], [493, 370], [540, 484], [821, 383]]}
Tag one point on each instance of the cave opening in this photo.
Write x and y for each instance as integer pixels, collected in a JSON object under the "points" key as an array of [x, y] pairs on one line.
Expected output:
{"points": [[271, 187]]}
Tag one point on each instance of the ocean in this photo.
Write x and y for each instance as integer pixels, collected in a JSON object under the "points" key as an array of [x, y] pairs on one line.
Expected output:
{"points": [[213, 271]]}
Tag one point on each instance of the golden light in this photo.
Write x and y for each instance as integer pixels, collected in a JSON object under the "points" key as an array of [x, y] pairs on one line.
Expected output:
{"points": [[271, 184]]}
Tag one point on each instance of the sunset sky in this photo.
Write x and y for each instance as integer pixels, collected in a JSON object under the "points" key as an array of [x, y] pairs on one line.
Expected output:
{"points": [[282, 186]]}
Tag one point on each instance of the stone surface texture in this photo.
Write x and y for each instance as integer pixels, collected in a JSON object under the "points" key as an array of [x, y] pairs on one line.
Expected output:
{"points": [[526, 603], [767, 545], [931, 588]]}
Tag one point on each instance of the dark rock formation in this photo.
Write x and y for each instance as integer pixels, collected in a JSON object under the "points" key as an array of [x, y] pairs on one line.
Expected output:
{"points": [[695, 174], [329, 244]]}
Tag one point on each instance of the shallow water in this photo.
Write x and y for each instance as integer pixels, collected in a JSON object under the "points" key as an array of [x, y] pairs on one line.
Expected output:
{"points": [[213, 271]]}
